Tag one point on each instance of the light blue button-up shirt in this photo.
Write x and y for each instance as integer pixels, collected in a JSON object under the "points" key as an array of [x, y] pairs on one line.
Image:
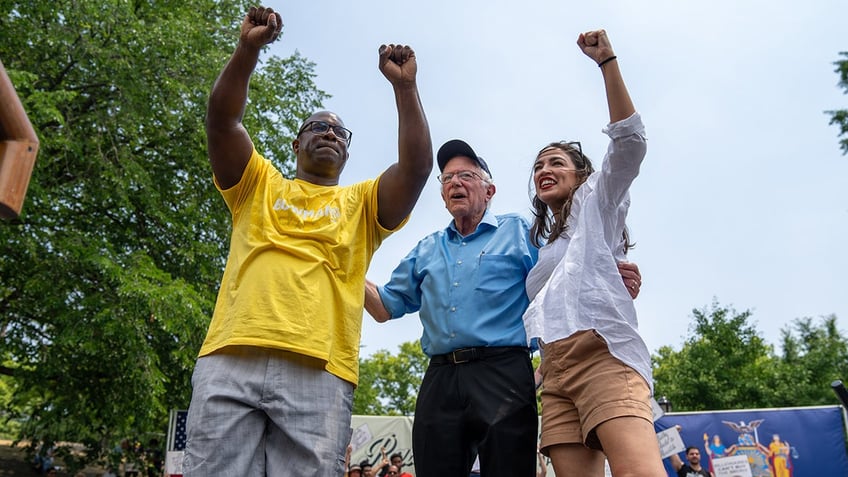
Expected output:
{"points": [[469, 291]]}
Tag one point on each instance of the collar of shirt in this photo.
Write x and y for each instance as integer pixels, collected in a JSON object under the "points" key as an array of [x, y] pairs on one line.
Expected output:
{"points": [[488, 220]]}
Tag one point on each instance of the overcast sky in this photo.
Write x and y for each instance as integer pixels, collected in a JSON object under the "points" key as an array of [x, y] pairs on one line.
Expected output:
{"points": [[742, 196]]}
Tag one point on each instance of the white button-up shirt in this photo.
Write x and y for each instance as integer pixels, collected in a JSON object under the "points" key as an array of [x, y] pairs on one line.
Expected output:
{"points": [[576, 284]]}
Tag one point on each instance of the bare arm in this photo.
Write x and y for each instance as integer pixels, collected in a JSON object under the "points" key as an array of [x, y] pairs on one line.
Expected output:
{"points": [[676, 463], [228, 141], [374, 304], [596, 46], [347, 459], [383, 463], [401, 184]]}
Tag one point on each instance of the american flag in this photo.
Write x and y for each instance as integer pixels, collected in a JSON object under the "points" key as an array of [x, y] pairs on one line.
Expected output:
{"points": [[177, 430]]}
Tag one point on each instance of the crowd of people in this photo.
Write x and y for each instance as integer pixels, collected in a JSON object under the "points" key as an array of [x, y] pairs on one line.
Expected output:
{"points": [[273, 383], [386, 467]]}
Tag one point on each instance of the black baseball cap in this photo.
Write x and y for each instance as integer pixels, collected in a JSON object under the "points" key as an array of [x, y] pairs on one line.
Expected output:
{"points": [[458, 147]]}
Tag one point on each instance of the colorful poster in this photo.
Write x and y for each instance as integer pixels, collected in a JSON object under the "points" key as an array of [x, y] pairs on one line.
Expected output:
{"points": [[789, 442]]}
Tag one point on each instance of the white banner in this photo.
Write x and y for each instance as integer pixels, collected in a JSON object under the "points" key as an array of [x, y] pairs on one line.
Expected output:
{"points": [[733, 466], [373, 433], [670, 442]]}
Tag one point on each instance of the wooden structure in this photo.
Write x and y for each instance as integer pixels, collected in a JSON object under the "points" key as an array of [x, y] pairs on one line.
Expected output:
{"points": [[18, 148]]}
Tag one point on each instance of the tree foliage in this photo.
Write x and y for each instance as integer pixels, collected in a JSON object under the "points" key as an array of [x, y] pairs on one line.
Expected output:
{"points": [[840, 116], [814, 355], [388, 384], [726, 364], [110, 275]]}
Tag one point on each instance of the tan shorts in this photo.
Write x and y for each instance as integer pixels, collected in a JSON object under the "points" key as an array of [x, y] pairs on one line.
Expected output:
{"points": [[583, 386]]}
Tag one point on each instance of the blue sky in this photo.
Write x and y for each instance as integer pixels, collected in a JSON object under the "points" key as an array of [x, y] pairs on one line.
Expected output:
{"points": [[742, 196]]}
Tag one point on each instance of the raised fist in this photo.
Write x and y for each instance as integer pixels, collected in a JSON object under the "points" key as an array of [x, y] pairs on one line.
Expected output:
{"points": [[397, 63], [595, 45], [261, 26]]}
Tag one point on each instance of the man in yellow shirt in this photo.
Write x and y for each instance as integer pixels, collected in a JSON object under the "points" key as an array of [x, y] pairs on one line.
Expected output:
{"points": [[273, 386]]}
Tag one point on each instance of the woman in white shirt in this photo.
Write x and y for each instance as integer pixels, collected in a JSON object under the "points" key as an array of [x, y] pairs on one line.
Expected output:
{"points": [[596, 369]]}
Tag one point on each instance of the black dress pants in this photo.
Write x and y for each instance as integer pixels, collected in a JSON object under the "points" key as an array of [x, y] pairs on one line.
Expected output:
{"points": [[484, 405]]}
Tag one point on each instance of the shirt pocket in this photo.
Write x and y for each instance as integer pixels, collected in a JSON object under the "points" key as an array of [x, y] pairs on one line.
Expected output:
{"points": [[497, 273]]}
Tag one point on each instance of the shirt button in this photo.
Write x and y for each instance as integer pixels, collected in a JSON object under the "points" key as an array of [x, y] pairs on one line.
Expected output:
{"points": [[459, 262], [453, 309], [456, 284]]}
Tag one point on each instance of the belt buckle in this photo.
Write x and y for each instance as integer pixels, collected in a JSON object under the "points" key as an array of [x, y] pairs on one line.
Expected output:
{"points": [[466, 355]]}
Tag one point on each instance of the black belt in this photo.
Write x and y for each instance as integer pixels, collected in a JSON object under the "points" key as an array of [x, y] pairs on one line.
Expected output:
{"points": [[465, 355]]}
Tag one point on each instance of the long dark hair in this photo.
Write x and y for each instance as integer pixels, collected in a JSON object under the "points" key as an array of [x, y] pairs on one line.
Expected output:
{"points": [[547, 225]]}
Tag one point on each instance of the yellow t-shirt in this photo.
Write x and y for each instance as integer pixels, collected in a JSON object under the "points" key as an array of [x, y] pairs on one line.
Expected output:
{"points": [[295, 275]]}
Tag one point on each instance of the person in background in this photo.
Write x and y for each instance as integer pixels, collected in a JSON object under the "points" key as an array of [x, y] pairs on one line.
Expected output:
{"points": [[692, 467], [273, 383], [367, 469], [354, 471], [43, 460], [397, 461]]}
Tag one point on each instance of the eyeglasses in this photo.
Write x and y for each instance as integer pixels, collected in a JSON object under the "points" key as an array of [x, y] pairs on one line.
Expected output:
{"points": [[320, 127], [567, 147], [464, 176], [573, 145]]}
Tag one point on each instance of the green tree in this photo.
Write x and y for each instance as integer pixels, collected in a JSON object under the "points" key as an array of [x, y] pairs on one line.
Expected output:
{"points": [[366, 397], [840, 117], [110, 275], [388, 384], [9, 427], [814, 355], [723, 364]]}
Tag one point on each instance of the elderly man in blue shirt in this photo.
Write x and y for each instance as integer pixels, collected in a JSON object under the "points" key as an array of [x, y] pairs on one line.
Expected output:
{"points": [[467, 284]]}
